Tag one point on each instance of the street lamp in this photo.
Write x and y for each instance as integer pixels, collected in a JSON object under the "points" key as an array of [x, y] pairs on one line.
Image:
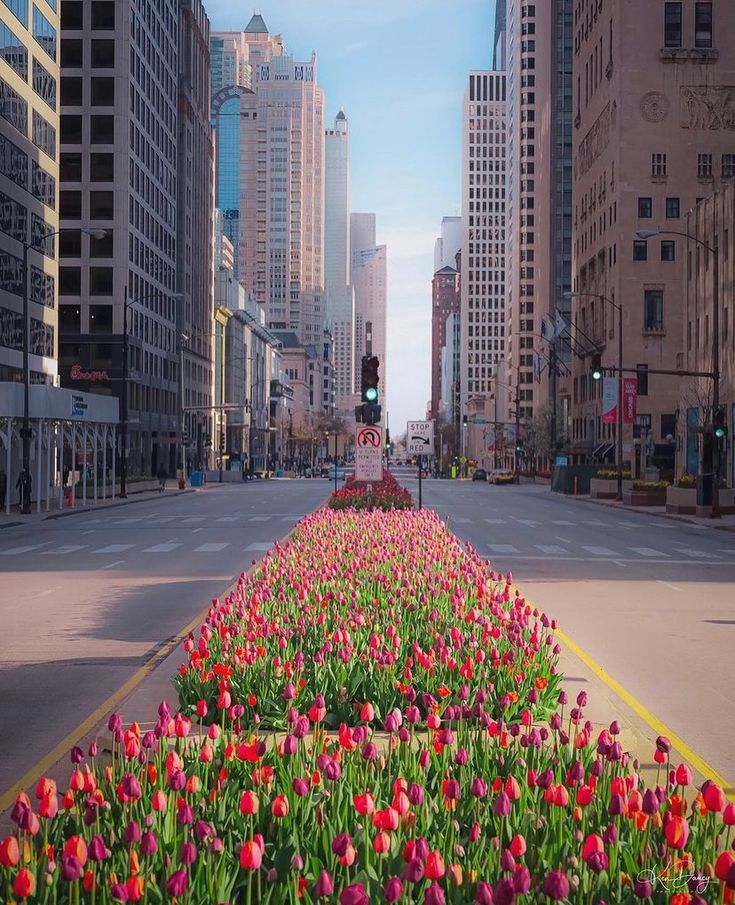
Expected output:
{"points": [[25, 482], [715, 372], [124, 414], [619, 438]]}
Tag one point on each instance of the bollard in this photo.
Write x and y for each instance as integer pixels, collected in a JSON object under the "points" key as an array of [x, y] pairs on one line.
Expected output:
{"points": [[576, 486]]}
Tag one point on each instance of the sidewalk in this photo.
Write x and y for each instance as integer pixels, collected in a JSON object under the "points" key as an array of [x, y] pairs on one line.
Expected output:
{"points": [[15, 519], [724, 523]]}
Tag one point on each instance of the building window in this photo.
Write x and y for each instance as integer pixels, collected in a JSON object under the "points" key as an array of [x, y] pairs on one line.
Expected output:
{"points": [[103, 92], [13, 108], [71, 129], [704, 166], [13, 162], [19, 8], [71, 91], [703, 24], [103, 15], [70, 206], [72, 53], [13, 218], [653, 310], [728, 165], [100, 280], [13, 51], [102, 130], [642, 379], [672, 208], [103, 53], [645, 208], [70, 320], [672, 25], [44, 84], [70, 243], [100, 318], [640, 250], [658, 164], [668, 250], [44, 135], [70, 280], [102, 247], [43, 185], [102, 167], [101, 205], [44, 32], [72, 15]]}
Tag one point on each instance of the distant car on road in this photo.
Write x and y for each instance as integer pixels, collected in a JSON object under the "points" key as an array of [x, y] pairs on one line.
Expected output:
{"points": [[479, 475], [501, 476], [341, 473]]}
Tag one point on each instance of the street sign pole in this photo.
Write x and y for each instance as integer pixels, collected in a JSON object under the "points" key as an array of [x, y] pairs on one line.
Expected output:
{"points": [[421, 468]]}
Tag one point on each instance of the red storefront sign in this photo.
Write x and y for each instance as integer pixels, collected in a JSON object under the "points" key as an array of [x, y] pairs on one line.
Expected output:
{"points": [[630, 399]]}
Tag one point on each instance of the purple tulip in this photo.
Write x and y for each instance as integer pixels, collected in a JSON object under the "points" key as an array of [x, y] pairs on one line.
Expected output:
{"points": [[354, 895], [114, 724], [502, 805], [324, 886], [421, 849], [504, 893], [370, 752], [176, 780], [610, 834], [507, 861], [616, 806], [118, 892], [484, 894], [340, 843], [643, 888], [522, 881], [148, 844], [556, 885], [598, 861], [333, 771], [451, 790], [415, 794], [615, 728], [289, 692], [300, 786], [413, 872], [478, 788], [393, 890], [582, 699], [185, 815], [97, 850], [71, 868], [177, 884], [130, 786], [461, 757], [131, 834], [650, 802], [77, 755], [203, 830], [188, 853], [434, 895]]}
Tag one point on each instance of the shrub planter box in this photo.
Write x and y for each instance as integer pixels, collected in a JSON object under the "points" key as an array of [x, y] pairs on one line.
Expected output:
{"points": [[681, 500], [603, 488], [644, 497]]}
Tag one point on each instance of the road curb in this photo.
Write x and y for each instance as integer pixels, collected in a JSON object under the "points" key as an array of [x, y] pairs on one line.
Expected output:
{"points": [[125, 502], [642, 510]]}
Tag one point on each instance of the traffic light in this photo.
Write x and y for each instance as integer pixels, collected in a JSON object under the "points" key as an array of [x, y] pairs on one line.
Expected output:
{"points": [[370, 378], [596, 366], [464, 420], [519, 447], [718, 422], [222, 441]]}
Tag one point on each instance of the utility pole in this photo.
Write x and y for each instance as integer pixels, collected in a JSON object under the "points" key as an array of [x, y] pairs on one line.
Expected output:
{"points": [[124, 401], [554, 402], [25, 477]]}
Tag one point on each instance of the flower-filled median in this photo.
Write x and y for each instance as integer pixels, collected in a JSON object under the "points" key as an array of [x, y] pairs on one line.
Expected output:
{"points": [[424, 752], [386, 494]]}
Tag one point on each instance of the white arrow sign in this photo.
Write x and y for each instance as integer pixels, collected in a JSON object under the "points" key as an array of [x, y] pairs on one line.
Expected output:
{"points": [[420, 437]]}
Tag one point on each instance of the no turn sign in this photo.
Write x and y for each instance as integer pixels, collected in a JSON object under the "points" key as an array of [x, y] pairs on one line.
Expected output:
{"points": [[369, 437]]}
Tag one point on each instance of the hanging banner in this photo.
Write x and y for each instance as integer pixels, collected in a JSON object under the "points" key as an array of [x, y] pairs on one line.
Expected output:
{"points": [[609, 400], [630, 399]]}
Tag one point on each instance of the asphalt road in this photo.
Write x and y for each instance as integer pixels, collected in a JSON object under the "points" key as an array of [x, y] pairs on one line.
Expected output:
{"points": [[650, 599], [84, 600]]}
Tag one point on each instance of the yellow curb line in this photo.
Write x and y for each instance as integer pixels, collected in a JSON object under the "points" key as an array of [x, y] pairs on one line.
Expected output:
{"points": [[97, 715], [694, 760]]}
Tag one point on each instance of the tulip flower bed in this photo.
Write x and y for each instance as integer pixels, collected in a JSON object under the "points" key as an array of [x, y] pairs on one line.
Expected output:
{"points": [[386, 494], [448, 793]]}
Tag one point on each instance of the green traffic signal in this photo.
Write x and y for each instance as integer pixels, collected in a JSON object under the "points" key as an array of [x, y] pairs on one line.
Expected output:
{"points": [[371, 394], [720, 432]]}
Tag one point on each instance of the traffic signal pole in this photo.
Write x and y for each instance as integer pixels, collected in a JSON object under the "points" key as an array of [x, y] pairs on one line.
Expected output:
{"points": [[421, 469]]}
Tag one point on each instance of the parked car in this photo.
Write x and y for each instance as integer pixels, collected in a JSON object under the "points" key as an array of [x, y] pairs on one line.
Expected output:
{"points": [[501, 476], [479, 475]]}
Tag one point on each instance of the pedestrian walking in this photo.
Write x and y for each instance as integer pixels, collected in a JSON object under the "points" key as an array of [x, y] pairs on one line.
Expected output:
{"points": [[24, 486], [161, 474], [3, 489]]}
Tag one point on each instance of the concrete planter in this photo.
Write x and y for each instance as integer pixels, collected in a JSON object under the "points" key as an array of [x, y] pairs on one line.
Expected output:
{"points": [[681, 500], [727, 500], [603, 488], [644, 497]]}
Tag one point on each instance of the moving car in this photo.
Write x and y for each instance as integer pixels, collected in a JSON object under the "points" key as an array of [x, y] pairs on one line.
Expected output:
{"points": [[501, 476], [341, 473], [479, 475]]}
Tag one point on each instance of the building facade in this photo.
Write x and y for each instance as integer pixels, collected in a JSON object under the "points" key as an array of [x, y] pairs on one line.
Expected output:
{"points": [[29, 187], [445, 301], [448, 244], [194, 215], [118, 171], [369, 278], [653, 134], [483, 284], [339, 296]]}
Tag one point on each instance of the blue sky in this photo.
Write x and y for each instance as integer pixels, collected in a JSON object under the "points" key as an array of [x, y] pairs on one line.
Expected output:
{"points": [[398, 68]]}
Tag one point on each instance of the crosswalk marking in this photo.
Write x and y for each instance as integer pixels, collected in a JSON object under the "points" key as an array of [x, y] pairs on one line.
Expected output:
{"points": [[562, 522], [114, 548], [129, 520], [600, 551], [211, 548], [495, 521], [258, 545], [529, 523], [647, 551], [687, 551], [13, 551], [463, 521], [503, 548], [193, 520], [597, 524], [67, 548], [260, 518], [160, 548], [551, 549], [227, 518]]}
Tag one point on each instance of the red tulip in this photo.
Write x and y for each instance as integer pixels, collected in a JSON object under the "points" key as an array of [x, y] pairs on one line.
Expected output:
{"points": [[723, 865], [381, 843], [434, 868], [9, 852], [24, 884], [279, 806], [364, 804], [676, 831], [76, 846], [367, 712], [684, 775], [593, 843], [714, 798], [249, 802], [251, 855], [517, 846]]}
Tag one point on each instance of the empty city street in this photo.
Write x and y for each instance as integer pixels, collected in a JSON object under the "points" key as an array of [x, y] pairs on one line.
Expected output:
{"points": [[87, 599], [648, 598]]}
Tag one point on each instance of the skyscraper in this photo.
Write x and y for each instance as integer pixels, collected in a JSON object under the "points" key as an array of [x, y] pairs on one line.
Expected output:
{"points": [[500, 27], [369, 277], [339, 296], [483, 241], [448, 243], [281, 187], [118, 169], [445, 301], [29, 175]]}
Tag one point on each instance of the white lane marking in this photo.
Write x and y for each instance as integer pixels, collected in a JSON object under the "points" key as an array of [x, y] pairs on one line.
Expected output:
{"points": [[528, 522], [595, 523], [665, 562], [551, 548], [730, 551], [160, 548], [619, 563], [503, 548], [227, 518], [67, 548], [562, 522], [600, 551], [258, 545], [193, 519], [647, 551], [495, 521], [91, 531], [129, 520], [165, 518], [111, 565], [669, 585], [49, 591], [114, 548], [688, 551], [563, 539], [197, 530], [15, 551], [260, 518], [211, 548], [463, 521]]}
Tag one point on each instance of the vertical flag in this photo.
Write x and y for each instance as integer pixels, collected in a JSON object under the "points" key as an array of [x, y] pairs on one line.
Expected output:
{"points": [[630, 399], [609, 400], [560, 325]]}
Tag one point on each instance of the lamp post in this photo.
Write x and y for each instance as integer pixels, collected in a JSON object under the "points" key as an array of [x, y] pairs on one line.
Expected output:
{"points": [[715, 370], [25, 485], [619, 426]]}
